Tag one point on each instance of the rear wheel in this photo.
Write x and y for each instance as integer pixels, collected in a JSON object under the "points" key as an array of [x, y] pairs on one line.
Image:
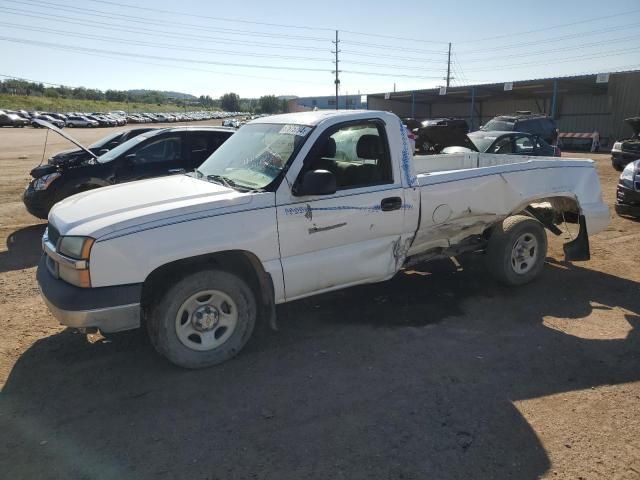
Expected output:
{"points": [[71, 125], [517, 250], [204, 319]]}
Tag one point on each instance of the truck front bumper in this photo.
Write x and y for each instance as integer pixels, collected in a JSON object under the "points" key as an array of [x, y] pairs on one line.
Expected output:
{"points": [[110, 309]]}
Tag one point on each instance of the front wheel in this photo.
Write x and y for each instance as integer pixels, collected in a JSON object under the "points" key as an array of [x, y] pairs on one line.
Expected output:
{"points": [[517, 250], [204, 319]]}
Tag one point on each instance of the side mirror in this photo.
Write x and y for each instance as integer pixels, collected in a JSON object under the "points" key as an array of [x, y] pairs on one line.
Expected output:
{"points": [[103, 151], [316, 182]]}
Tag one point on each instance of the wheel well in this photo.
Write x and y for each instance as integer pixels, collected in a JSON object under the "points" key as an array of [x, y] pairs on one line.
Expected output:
{"points": [[552, 211], [242, 263]]}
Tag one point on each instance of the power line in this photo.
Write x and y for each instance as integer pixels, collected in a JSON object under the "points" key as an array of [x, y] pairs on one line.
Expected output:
{"points": [[391, 47], [155, 33], [132, 19], [391, 37], [185, 60], [223, 19], [552, 39], [394, 57], [552, 27], [280, 25], [155, 45], [562, 49], [155, 57], [557, 60]]}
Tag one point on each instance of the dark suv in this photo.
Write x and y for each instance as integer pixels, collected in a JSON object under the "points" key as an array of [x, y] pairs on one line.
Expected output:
{"points": [[537, 124], [443, 126], [627, 150], [151, 154]]}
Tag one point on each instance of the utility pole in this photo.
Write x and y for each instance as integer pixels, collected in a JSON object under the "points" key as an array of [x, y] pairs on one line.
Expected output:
{"points": [[337, 70], [449, 66]]}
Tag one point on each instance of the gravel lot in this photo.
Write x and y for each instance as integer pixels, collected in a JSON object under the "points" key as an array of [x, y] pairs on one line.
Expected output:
{"points": [[437, 374]]}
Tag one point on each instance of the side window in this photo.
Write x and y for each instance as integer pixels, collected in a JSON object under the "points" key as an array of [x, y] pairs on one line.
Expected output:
{"points": [[356, 155], [502, 146], [524, 145], [165, 149]]}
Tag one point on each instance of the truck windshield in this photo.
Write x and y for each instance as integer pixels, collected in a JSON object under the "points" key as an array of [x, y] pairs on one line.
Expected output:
{"points": [[253, 157]]}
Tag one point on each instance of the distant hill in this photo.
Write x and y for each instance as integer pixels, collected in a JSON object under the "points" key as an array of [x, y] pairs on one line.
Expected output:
{"points": [[177, 95]]}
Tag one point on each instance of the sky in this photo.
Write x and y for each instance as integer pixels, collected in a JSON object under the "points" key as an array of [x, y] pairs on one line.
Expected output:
{"points": [[284, 47]]}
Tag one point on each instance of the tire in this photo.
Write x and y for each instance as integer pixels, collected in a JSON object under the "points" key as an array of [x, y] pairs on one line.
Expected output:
{"points": [[617, 166], [517, 250], [186, 323], [71, 125]]}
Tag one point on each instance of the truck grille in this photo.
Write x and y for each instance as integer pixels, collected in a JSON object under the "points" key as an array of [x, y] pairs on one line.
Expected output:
{"points": [[54, 235]]}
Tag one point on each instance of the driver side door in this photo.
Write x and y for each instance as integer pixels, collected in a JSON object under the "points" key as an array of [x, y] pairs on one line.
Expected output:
{"points": [[350, 236]]}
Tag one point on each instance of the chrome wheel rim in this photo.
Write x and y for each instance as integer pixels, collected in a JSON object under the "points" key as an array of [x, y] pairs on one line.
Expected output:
{"points": [[206, 320], [524, 253]]}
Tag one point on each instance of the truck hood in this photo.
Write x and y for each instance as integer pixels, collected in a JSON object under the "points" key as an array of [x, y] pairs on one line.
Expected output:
{"points": [[117, 209]]}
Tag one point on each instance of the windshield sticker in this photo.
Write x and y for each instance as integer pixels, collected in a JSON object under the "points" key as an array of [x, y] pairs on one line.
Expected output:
{"points": [[297, 130]]}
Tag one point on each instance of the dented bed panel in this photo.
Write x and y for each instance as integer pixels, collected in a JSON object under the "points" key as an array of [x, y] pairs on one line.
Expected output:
{"points": [[457, 204]]}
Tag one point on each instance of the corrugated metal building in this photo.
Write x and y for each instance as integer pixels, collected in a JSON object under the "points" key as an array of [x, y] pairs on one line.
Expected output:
{"points": [[345, 102], [584, 103]]}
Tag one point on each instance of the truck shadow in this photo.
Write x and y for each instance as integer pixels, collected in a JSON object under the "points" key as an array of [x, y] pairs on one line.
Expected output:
{"points": [[346, 389], [23, 248]]}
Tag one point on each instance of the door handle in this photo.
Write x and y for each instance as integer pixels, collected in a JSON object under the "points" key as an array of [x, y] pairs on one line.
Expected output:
{"points": [[391, 203]]}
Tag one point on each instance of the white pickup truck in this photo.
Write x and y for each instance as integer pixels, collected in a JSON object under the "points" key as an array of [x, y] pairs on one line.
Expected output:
{"points": [[291, 206]]}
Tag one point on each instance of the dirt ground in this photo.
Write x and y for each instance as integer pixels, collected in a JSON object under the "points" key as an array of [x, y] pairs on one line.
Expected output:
{"points": [[437, 374]]}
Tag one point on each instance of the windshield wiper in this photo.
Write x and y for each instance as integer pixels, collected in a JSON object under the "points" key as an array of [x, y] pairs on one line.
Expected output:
{"points": [[227, 182]]}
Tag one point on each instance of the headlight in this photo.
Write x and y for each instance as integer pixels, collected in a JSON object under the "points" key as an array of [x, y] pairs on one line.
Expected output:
{"points": [[626, 178], [76, 247], [617, 147], [43, 183]]}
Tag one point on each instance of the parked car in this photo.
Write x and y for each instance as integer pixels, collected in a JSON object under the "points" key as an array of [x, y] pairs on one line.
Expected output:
{"points": [[58, 116], [102, 121], [80, 121], [537, 124], [513, 143], [628, 193], [47, 118], [12, 120], [627, 150], [151, 154], [289, 208], [102, 146], [424, 137]]}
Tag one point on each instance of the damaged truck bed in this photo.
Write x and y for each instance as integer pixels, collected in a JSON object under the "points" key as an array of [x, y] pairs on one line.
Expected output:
{"points": [[296, 205]]}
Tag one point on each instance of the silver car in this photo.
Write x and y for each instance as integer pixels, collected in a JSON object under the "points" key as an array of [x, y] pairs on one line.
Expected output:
{"points": [[80, 121]]}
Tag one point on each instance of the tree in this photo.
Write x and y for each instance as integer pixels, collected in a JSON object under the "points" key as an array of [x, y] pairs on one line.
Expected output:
{"points": [[230, 102], [269, 104]]}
